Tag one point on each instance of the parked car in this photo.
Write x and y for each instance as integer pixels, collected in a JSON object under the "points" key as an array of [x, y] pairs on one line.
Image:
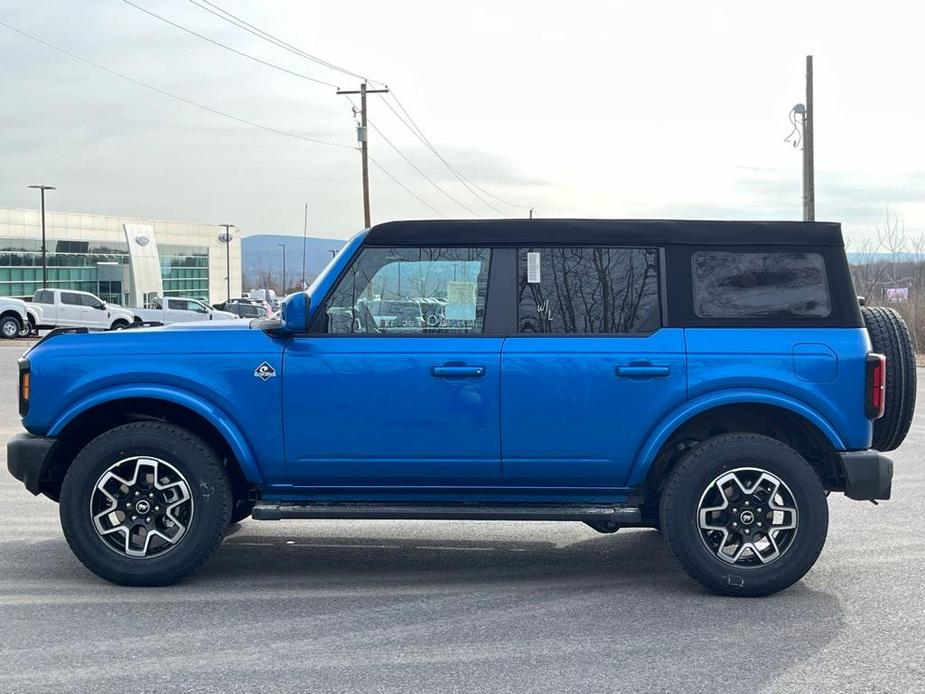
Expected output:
{"points": [[178, 309], [267, 295], [715, 380], [229, 305], [244, 309], [66, 308], [18, 318]]}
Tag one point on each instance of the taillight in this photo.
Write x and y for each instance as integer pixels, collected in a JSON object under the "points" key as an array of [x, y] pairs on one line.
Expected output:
{"points": [[875, 386], [25, 386]]}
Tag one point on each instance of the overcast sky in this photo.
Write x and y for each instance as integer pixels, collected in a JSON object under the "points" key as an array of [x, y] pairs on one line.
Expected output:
{"points": [[583, 109]]}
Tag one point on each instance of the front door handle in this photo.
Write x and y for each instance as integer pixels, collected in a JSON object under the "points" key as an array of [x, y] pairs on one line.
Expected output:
{"points": [[642, 371], [455, 371]]}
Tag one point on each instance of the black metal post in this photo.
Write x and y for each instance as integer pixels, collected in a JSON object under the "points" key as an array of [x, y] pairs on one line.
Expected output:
{"points": [[283, 246], [44, 251], [42, 189]]}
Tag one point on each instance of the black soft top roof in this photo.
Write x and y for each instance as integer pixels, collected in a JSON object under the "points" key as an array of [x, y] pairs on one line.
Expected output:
{"points": [[635, 232]]}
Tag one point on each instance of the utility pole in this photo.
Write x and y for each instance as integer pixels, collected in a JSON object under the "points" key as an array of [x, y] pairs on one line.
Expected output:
{"points": [[364, 145], [283, 246], [809, 173], [225, 237], [44, 250]]}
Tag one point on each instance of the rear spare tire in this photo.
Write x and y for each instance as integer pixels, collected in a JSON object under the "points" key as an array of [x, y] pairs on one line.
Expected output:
{"points": [[890, 337]]}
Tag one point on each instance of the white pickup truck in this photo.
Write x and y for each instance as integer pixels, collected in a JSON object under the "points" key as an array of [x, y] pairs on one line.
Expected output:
{"points": [[178, 309], [65, 308], [18, 318]]}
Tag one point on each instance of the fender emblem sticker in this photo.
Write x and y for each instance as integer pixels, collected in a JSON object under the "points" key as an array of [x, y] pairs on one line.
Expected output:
{"points": [[264, 371]]}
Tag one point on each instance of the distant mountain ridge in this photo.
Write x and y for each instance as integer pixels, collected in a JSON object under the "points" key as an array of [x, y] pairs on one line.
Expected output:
{"points": [[261, 253]]}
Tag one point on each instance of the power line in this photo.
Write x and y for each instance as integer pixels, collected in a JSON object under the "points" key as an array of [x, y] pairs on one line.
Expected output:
{"points": [[266, 36], [407, 189], [184, 100], [414, 166], [470, 185], [424, 175], [229, 48], [416, 130], [223, 114]]}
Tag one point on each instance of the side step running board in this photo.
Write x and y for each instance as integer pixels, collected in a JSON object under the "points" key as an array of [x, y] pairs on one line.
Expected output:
{"points": [[279, 510]]}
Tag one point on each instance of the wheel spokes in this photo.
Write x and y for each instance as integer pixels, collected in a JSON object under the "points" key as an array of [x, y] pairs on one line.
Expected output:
{"points": [[140, 500], [747, 516]]}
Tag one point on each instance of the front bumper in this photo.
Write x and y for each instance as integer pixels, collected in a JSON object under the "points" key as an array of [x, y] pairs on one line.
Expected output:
{"points": [[868, 475], [28, 457]]}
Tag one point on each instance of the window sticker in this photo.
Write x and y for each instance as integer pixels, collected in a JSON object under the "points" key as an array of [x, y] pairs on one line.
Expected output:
{"points": [[461, 300], [533, 267]]}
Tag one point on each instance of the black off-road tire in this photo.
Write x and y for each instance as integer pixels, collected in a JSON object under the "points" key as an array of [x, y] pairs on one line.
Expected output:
{"points": [[190, 456], [694, 473], [28, 329], [119, 325], [10, 327], [890, 337]]}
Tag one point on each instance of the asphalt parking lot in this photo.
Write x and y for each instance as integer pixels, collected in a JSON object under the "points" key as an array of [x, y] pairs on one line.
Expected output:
{"points": [[451, 606]]}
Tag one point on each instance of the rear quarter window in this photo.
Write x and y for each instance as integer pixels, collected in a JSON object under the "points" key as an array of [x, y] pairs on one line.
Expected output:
{"points": [[750, 285]]}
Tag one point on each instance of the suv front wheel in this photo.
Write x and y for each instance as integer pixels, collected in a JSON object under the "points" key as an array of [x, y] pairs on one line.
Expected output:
{"points": [[744, 514], [145, 503]]}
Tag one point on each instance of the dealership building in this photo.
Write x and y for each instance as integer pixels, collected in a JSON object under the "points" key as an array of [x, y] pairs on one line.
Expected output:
{"points": [[122, 260]]}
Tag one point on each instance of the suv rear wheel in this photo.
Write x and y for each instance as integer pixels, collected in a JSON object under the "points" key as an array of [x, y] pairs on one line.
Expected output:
{"points": [[744, 514], [145, 504]]}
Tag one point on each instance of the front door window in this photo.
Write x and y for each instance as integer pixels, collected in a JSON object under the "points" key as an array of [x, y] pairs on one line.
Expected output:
{"points": [[411, 291]]}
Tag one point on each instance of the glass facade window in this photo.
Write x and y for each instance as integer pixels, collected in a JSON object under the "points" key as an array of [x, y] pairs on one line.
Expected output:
{"points": [[71, 265], [184, 270]]}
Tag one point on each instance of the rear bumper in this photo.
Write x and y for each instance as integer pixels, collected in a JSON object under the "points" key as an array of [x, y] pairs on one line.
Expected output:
{"points": [[868, 475], [27, 458]]}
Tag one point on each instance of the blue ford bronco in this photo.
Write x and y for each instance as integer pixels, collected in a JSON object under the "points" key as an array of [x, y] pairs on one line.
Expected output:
{"points": [[713, 380]]}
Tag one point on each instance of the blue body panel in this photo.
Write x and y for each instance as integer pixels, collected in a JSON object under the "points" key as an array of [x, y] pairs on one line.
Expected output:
{"points": [[208, 368], [799, 365], [372, 410], [575, 410]]}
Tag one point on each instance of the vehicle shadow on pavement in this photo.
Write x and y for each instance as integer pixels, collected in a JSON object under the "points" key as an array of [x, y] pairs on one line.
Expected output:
{"points": [[448, 604]]}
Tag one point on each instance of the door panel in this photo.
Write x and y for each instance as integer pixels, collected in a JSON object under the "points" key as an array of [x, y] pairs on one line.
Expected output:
{"points": [[576, 410], [374, 411], [70, 309]]}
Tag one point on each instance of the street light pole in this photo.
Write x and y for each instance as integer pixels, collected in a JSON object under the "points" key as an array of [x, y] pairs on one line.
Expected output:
{"points": [[283, 246], [43, 188], [226, 237]]}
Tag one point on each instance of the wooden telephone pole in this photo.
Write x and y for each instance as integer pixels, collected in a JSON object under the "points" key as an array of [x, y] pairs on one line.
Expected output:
{"points": [[809, 173], [364, 144]]}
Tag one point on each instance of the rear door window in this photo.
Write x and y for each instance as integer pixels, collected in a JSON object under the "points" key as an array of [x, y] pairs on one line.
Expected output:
{"points": [[588, 290], [749, 285]]}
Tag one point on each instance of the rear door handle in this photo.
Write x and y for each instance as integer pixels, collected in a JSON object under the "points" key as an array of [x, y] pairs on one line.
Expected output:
{"points": [[457, 371], [642, 371]]}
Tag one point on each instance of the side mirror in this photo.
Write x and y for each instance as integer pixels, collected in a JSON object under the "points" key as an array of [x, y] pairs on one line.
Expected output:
{"points": [[101, 306], [293, 312]]}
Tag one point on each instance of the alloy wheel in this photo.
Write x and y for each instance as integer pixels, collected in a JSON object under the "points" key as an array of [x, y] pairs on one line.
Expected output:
{"points": [[141, 507], [747, 517]]}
